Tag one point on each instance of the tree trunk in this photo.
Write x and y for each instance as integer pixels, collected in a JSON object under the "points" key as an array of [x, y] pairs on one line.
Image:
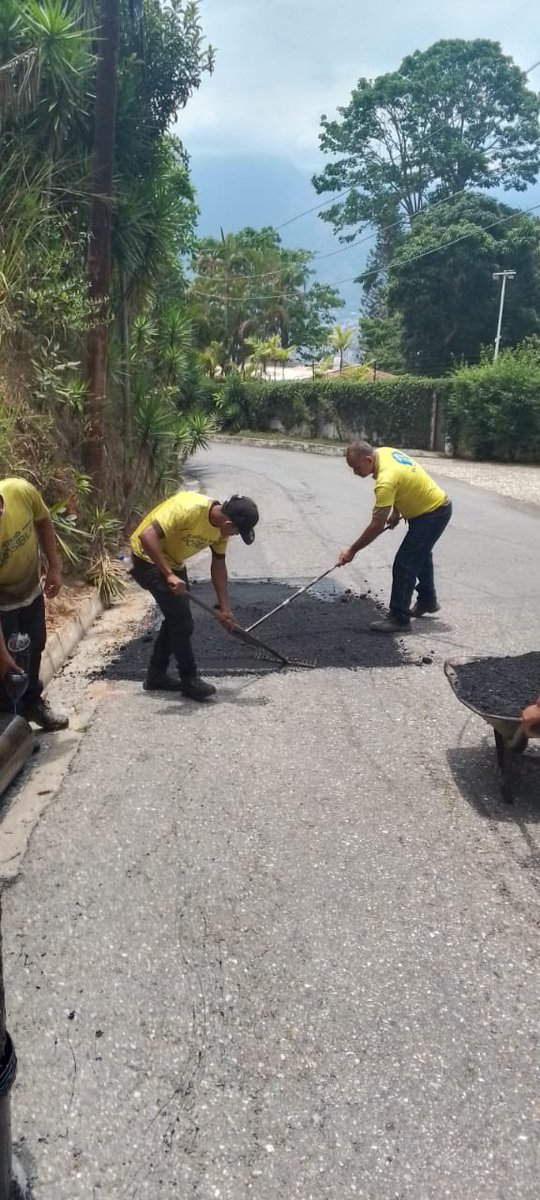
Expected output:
{"points": [[99, 242], [126, 377]]}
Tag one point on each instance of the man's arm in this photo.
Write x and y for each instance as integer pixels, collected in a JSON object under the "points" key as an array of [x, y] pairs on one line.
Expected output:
{"points": [[220, 580], [376, 526], [47, 541], [150, 540]]}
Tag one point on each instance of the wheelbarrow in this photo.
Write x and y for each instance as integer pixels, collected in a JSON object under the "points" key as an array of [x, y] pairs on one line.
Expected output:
{"points": [[510, 736]]}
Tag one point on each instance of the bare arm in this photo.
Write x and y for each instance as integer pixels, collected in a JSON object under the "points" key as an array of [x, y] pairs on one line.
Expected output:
{"points": [[372, 531], [220, 580], [47, 541], [150, 540]]}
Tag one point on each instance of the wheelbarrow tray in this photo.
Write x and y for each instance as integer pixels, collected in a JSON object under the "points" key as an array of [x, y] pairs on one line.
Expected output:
{"points": [[509, 728], [510, 736]]}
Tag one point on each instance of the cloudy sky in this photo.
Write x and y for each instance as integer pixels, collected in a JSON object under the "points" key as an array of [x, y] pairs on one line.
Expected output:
{"points": [[281, 63]]}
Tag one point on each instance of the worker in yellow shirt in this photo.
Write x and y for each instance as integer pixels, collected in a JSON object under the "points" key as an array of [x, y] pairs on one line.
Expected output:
{"points": [[402, 489], [171, 533], [27, 542]]}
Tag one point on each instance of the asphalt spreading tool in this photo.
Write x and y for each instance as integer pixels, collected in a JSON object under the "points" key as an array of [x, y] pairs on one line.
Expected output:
{"points": [[245, 636], [289, 599]]}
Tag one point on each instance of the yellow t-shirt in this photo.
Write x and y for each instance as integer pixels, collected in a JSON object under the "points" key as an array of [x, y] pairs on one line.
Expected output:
{"points": [[403, 483], [19, 543], [184, 521]]}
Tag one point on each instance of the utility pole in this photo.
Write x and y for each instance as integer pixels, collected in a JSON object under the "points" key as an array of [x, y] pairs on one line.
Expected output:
{"points": [[503, 275]]}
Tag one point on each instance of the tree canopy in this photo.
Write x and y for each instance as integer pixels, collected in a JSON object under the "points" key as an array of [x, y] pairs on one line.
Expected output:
{"points": [[458, 115], [441, 286]]}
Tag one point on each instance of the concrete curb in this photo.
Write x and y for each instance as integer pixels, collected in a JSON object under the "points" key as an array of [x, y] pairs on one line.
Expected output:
{"points": [[282, 444], [17, 739], [336, 451], [62, 643]]}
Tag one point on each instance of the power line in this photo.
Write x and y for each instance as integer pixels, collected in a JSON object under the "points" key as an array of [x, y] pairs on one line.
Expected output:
{"points": [[342, 249], [335, 199], [354, 278]]}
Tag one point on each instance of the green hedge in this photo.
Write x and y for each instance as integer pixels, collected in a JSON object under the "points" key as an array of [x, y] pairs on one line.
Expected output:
{"points": [[394, 410], [493, 410]]}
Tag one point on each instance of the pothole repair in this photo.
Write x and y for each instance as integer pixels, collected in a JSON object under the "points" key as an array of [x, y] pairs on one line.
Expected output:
{"points": [[329, 627]]}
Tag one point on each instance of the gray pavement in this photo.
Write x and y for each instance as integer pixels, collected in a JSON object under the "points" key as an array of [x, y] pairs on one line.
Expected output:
{"points": [[287, 945]]}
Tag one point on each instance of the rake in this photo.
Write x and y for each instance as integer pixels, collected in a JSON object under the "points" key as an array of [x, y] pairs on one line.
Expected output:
{"points": [[244, 636]]}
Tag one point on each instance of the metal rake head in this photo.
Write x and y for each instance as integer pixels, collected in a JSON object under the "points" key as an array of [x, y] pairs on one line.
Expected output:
{"points": [[287, 662]]}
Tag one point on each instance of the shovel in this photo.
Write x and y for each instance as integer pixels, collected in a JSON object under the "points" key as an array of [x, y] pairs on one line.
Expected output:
{"points": [[243, 635]]}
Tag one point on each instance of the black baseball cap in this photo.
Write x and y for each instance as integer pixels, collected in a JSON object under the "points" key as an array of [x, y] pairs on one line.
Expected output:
{"points": [[243, 513]]}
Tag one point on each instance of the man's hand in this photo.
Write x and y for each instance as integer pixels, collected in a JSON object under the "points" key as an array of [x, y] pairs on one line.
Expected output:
{"points": [[7, 664], [393, 520], [531, 719], [345, 557], [176, 585], [53, 582], [226, 617]]}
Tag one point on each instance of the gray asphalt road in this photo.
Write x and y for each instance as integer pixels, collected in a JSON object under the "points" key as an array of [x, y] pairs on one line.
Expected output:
{"points": [[287, 945]]}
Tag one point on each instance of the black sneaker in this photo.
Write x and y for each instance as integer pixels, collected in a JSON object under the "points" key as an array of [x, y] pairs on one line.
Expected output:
{"points": [[41, 713], [420, 608], [161, 683], [197, 689]]}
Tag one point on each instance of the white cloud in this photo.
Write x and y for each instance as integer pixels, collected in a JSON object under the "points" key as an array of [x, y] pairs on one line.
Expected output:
{"points": [[281, 64]]}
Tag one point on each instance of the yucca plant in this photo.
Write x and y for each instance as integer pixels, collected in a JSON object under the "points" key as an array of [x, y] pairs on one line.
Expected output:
{"points": [[107, 577], [195, 432], [103, 572], [72, 540]]}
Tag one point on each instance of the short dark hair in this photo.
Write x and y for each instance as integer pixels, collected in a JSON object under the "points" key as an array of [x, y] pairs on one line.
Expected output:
{"points": [[359, 450]]}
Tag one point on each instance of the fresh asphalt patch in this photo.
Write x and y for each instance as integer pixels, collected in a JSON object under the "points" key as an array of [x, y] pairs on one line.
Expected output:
{"points": [[504, 686], [327, 627]]}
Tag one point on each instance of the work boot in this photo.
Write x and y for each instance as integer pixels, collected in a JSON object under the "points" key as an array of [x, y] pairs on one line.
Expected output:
{"points": [[196, 688], [160, 681], [422, 606], [390, 625], [40, 712]]}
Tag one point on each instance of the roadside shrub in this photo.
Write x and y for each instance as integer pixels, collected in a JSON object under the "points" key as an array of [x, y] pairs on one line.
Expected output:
{"points": [[493, 410], [386, 410]]}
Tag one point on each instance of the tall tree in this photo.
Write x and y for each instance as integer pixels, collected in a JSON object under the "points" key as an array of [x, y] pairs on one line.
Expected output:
{"points": [[457, 115], [441, 285], [249, 285]]}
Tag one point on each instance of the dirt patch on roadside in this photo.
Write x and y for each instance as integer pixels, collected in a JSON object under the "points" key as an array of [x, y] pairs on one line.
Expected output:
{"points": [[67, 604]]}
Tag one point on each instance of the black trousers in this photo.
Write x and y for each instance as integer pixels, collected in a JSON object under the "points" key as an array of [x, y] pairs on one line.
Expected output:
{"points": [[30, 620], [413, 564], [174, 637]]}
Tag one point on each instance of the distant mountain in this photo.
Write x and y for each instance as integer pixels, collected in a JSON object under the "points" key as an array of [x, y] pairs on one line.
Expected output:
{"points": [[258, 190], [236, 191]]}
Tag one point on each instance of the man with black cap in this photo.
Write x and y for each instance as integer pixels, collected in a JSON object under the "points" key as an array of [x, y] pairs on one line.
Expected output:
{"points": [[172, 532]]}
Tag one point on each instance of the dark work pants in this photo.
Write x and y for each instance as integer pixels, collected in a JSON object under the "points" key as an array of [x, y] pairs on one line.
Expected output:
{"points": [[30, 620], [174, 637], [413, 564]]}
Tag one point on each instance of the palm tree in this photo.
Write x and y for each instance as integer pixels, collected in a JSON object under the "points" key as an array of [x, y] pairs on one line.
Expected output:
{"points": [[340, 339]]}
